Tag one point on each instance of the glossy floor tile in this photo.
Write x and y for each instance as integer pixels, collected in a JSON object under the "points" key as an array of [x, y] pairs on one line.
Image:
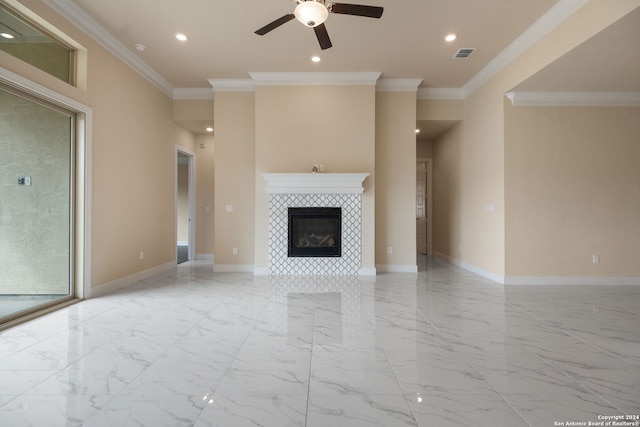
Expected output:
{"points": [[441, 348]]}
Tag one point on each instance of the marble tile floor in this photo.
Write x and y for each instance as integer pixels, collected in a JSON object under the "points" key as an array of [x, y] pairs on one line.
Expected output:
{"points": [[441, 348]]}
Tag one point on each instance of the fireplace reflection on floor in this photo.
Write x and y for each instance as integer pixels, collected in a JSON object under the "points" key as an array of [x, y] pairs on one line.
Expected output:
{"points": [[333, 304]]}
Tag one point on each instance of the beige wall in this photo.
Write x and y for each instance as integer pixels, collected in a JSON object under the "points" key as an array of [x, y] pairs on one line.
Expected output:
{"points": [[395, 180], [299, 126], [572, 189], [469, 161], [205, 195], [424, 149], [446, 186], [133, 160], [439, 109], [234, 179]]}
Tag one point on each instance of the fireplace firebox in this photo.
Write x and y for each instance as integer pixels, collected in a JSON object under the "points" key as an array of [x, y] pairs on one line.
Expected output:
{"points": [[315, 232]]}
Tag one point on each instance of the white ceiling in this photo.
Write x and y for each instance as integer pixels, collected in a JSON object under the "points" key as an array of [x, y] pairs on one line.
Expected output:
{"points": [[406, 43]]}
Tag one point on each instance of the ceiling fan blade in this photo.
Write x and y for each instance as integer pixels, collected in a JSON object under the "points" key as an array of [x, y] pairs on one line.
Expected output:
{"points": [[323, 36], [275, 24], [357, 10]]}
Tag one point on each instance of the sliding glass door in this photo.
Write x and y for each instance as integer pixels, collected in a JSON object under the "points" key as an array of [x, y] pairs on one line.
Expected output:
{"points": [[36, 204]]}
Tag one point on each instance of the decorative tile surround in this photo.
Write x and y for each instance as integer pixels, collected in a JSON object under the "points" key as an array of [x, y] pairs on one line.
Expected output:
{"points": [[315, 190]]}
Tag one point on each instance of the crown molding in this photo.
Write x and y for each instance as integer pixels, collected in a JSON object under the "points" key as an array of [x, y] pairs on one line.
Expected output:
{"points": [[547, 22], [441, 93], [232, 85], [574, 99], [316, 79], [193, 93], [398, 85], [72, 13]]}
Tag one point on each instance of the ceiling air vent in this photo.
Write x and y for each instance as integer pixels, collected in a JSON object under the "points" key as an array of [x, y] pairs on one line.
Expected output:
{"points": [[465, 52]]}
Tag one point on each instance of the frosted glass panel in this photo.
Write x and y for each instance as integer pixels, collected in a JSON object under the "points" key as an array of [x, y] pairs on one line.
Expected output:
{"points": [[35, 204]]}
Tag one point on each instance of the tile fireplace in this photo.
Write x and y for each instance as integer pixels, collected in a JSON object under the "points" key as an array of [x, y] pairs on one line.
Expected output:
{"points": [[327, 240]]}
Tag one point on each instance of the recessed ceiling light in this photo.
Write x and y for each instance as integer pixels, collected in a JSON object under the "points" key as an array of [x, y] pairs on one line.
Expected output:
{"points": [[7, 35], [450, 37], [140, 47], [209, 129], [315, 58], [417, 130], [181, 37]]}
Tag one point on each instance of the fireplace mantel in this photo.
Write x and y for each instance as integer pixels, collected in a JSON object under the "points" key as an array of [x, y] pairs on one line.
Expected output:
{"points": [[314, 183]]}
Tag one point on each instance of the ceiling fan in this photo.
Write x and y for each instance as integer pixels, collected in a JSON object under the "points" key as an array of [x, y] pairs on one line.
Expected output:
{"points": [[313, 13]]}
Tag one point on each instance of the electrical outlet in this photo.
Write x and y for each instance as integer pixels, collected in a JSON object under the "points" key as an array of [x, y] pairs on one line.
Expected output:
{"points": [[596, 259], [389, 250], [235, 251], [141, 255]]}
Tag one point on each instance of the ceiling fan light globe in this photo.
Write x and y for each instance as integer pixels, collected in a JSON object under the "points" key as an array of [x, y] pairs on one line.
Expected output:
{"points": [[311, 13]]}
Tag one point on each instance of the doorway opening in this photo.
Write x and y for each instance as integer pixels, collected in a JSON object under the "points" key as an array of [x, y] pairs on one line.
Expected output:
{"points": [[424, 209], [184, 196]]}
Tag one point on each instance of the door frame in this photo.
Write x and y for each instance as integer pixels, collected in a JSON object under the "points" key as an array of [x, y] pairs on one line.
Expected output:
{"points": [[429, 192], [191, 252], [82, 185]]}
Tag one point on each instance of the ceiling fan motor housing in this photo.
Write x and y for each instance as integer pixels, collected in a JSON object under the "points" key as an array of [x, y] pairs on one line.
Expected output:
{"points": [[311, 12]]}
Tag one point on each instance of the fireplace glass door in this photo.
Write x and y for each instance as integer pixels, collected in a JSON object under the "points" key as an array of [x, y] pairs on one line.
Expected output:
{"points": [[315, 232]]}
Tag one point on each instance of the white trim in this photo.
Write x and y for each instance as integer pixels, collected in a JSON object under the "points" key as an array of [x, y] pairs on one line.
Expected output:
{"points": [[390, 268], [131, 279], [571, 280], [472, 268], [84, 172], [78, 17], [440, 93], [574, 99], [193, 93], [183, 243], [545, 24], [398, 85], [314, 183], [261, 271], [551, 19], [232, 85], [311, 78], [367, 271], [233, 268]]}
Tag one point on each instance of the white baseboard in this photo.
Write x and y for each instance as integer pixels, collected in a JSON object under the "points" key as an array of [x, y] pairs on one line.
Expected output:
{"points": [[113, 285], [232, 268], [540, 280], [390, 268], [367, 271], [571, 280], [472, 268], [261, 271]]}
